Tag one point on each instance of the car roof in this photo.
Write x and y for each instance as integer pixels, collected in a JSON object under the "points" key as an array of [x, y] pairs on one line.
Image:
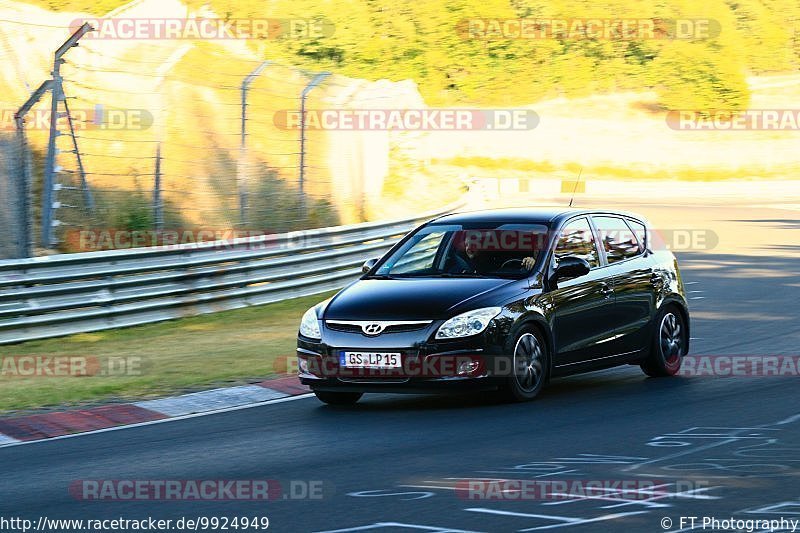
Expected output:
{"points": [[540, 215]]}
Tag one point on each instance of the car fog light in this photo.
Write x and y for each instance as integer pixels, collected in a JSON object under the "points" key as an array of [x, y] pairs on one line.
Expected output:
{"points": [[468, 367], [302, 365]]}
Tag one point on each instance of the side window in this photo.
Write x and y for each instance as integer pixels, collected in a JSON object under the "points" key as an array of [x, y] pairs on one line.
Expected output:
{"points": [[577, 239], [641, 233], [618, 240]]}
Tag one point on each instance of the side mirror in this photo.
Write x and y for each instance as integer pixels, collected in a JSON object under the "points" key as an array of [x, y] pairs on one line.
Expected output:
{"points": [[368, 264], [571, 266]]}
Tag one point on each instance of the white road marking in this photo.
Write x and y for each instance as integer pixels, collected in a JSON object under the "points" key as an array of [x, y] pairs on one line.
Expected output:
{"points": [[565, 521], [382, 525], [649, 502], [152, 422], [479, 479], [789, 420], [372, 494], [526, 474], [614, 494], [733, 435], [779, 508], [427, 487]]}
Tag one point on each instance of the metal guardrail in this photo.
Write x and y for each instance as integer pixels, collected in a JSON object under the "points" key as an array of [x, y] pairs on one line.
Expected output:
{"points": [[64, 294]]}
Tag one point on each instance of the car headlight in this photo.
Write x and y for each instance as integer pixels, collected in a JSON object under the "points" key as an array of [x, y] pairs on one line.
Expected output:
{"points": [[466, 324], [309, 324]]}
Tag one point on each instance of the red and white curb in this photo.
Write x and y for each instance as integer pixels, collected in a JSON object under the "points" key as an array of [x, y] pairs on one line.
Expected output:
{"points": [[59, 424], [6, 440]]}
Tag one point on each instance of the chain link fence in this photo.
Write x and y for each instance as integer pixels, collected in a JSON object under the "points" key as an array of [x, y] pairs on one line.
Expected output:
{"points": [[13, 194], [196, 136]]}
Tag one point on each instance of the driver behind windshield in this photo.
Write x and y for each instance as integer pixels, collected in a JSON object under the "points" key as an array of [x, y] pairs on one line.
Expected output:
{"points": [[473, 258]]}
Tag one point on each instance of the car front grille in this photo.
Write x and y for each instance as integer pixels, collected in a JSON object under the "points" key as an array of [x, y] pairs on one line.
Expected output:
{"points": [[355, 327], [348, 328]]}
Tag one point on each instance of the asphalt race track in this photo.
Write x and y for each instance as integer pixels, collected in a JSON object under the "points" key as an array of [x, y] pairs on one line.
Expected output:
{"points": [[712, 446]]}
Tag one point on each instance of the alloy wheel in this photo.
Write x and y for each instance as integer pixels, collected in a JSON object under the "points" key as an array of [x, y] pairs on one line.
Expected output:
{"points": [[671, 338], [528, 357]]}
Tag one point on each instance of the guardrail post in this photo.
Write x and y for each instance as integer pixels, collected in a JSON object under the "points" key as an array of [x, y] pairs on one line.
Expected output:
{"points": [[301, 181], [241, 178]]}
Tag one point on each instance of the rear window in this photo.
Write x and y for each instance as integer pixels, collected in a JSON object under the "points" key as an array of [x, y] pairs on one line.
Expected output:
{"points": [[640, 231], [618, 240]]}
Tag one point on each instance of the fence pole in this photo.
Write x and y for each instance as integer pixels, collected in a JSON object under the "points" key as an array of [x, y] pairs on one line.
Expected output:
{"points": [[301, 181], [22, 237], [57, 94], [158, 204], [48, 194], [241, 171], [24, 245]]}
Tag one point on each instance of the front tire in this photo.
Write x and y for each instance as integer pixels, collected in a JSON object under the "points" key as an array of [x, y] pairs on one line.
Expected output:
{"points": [[530, 366], [669, 344], [338, 398]]}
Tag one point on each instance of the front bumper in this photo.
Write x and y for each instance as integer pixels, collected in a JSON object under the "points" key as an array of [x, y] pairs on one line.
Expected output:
{"points": [[453, 365], [415, 386]]}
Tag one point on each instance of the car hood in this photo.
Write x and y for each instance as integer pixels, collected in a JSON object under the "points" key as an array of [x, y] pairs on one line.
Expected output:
{"points": [[410, 299]]}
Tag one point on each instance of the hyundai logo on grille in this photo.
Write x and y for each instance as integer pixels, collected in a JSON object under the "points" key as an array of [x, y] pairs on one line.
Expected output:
{"points": [[372, 329]]}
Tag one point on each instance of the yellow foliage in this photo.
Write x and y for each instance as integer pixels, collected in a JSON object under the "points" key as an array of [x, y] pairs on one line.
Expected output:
{"points": [[423, 41]]}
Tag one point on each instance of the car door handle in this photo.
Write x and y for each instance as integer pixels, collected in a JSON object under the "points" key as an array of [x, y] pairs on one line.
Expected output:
{"points": [[606, 290]]}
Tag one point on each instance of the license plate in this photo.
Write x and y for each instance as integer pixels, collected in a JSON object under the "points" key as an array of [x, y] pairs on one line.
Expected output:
{"points": [[369, 360]]}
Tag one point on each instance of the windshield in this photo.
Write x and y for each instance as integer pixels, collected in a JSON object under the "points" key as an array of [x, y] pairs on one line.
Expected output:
{"points": [[503, 251]]}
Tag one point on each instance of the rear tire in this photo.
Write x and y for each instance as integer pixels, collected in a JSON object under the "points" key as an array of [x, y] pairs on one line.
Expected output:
{"points": [[530, 366], [338, 398], [668, 344]]}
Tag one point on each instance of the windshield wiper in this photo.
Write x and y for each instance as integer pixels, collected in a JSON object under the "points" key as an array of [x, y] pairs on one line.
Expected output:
{"points": [[459, 275], [436, 275]]}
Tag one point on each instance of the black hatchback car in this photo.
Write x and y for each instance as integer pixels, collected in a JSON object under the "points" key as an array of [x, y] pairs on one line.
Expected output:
{"points": [[499, 300]]}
